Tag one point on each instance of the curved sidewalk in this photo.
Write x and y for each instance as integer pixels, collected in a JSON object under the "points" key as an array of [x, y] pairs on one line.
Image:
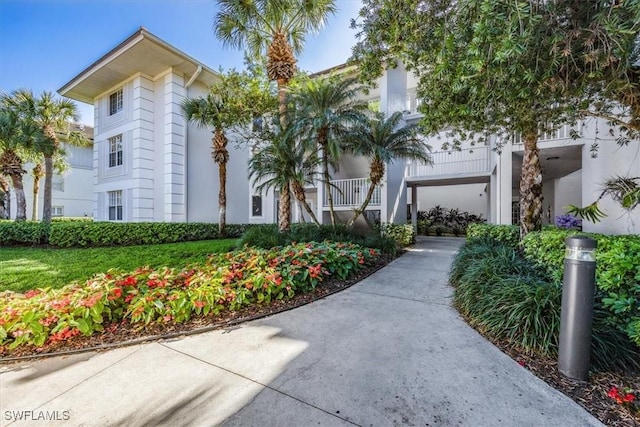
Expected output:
{"points": [[388, 351]]}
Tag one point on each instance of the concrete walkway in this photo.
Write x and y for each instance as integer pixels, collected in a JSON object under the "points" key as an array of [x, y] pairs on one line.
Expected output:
{"points": [[388, 351]]}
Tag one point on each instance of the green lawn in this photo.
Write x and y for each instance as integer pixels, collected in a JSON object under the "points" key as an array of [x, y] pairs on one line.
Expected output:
{"points": [[27, 268]]}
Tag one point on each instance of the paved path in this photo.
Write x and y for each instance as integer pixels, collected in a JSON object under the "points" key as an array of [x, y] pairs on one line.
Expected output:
{"points": [[388, 351]]}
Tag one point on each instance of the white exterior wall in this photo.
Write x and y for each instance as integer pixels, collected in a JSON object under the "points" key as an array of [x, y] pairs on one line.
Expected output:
{"points": [[611, 161], [76, 193], [566, 192]]}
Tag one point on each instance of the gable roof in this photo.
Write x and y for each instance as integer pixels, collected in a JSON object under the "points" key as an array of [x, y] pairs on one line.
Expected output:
{"points": [[142, 52]]}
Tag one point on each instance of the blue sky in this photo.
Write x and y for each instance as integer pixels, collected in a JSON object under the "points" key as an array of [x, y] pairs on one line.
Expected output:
{"points": [[45, 43]]}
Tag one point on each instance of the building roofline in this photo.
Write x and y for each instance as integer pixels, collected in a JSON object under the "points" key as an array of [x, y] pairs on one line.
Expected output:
{"points": [[339, 67], [141, 33]]}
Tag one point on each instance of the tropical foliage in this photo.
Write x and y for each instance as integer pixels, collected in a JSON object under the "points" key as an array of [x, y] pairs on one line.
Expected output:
{"points": [[326, 110], [232, 102], [382, 140], [507, 68], [224, 282]]}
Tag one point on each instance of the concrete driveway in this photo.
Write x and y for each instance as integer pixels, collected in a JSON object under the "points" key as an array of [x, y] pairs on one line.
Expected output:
{"points": [[388, 351]]}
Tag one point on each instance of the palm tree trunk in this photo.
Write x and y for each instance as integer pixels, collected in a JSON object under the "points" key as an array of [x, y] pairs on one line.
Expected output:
{"points": [[21, 202], [37, 175], [48, 181], [298, 192], [4, 199], [322, 140], [284, 214], [222, 199], [357, 212], [282, 102], [530, 186]]}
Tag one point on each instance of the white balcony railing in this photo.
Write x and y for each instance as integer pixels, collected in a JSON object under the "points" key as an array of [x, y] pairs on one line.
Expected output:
{"points": [[469, 160], [351, 193]]}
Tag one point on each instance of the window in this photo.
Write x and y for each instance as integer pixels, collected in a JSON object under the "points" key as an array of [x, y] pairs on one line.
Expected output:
{"points": [[57, 210], [256, 205], [57, 183], [115, 205], [115, 151], [115, 102]]}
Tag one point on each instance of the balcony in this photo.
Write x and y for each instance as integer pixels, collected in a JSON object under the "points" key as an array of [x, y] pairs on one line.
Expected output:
{"points": [[470, 165], [350, 193]]}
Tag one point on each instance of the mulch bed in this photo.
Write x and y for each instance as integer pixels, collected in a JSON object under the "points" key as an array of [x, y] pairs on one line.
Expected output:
{"points": [[591, 395]]}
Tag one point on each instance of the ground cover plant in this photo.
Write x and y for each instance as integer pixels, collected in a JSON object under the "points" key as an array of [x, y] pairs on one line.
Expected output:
{"points": [[512, 294], [225, 282], [24, 268], [388, 240]]}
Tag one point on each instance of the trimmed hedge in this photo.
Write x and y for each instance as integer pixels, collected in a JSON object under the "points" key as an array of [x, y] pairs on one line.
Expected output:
{"points": [[22, 233], [66, 234], [72, 219], [507, 234]]}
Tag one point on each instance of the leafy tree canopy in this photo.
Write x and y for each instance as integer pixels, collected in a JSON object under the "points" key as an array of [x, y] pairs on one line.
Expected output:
{"points": [[504, 67]]}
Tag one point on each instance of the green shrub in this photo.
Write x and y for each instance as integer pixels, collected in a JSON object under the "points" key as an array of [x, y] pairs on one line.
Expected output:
{"points": [[507, 234], [20, 233], [72, 219], [511, 298], [267, 236], [96, 234], [617, 271], [403, 234]]}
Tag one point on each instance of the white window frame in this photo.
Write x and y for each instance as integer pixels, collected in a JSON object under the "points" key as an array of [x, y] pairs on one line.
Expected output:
{"points": [[115, 102], [251, 200], [57, 211], [114, 201], [115, 151]]}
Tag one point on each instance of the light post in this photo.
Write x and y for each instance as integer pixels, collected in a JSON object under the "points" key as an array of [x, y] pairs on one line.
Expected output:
{"points": [[576, 316]]}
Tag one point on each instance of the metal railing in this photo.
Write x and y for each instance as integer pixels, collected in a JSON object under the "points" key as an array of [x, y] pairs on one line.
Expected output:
{"points": [[351, 192], [468, 160]]}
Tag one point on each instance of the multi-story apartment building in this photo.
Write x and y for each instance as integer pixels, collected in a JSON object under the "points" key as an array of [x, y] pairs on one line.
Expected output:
{"points": [[149, 164]]}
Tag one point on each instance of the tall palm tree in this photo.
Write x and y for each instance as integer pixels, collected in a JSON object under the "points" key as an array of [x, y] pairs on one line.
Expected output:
{"points": [[282, 163], [276, 29], [382, 141], [327, 109], [210, 112], [17, 138], [273, 28], [38, 173], [53, 116]]}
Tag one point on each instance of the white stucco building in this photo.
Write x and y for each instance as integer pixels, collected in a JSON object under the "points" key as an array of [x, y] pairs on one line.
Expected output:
{"points": [[150, 165]]}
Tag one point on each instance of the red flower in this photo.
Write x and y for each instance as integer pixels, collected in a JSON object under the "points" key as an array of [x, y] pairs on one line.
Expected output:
{"points": [[198, 304], [31, 293], [629, 397], [115, 294], [128, 298], [613, 392]]}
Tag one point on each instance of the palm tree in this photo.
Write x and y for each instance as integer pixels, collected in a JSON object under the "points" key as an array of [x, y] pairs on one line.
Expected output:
{"points": [[282, 163], [53, 116], [17, 138], [382, 141], [277, 28], [210, 112], [327, 109]]}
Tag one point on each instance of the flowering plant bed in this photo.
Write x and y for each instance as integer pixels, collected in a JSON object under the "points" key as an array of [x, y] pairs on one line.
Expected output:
{"points": [[148, 298]]}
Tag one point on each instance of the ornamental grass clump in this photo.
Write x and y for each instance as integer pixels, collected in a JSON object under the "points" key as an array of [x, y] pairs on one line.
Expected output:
{"points": [[227, 281]]}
